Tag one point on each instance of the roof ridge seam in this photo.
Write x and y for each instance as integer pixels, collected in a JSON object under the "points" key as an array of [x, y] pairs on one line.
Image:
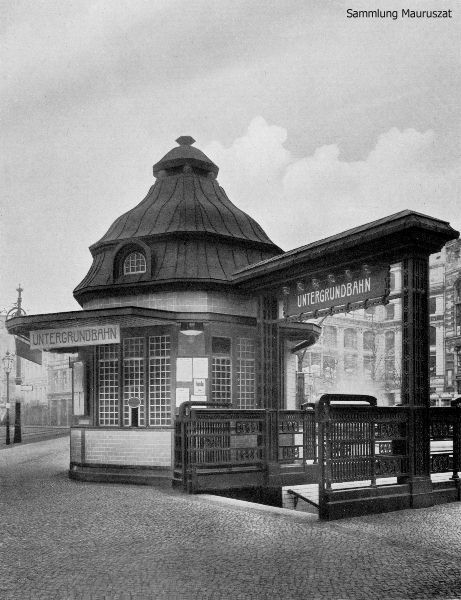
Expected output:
{"points": [[210, 200], [146, 210]]}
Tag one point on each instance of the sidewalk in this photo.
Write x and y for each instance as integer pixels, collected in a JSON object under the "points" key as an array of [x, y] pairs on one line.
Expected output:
{"points": [[65, 540]]}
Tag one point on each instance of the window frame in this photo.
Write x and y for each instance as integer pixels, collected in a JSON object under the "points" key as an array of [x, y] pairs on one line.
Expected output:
{"points": [[146, 334]]}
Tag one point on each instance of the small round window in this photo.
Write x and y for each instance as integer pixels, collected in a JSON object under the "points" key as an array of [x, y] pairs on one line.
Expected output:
{"points": [[135, 262]]}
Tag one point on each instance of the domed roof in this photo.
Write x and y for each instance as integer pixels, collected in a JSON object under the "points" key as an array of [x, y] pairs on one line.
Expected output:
{"points": [[185, 214]]}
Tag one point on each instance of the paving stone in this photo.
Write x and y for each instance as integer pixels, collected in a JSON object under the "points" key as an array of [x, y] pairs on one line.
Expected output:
{"points": [[68, 540]]}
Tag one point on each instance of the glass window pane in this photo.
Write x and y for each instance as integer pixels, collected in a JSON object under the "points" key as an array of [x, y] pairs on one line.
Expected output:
{"points": [[108, 384], [159, 380], [135, 262]]}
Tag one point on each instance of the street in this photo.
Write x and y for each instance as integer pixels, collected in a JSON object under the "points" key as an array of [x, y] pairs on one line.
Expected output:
{"points": [[62, 539]]}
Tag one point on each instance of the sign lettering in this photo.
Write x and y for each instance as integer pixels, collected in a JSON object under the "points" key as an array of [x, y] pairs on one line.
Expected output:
{"points": [[338, 292], [75, 336]]}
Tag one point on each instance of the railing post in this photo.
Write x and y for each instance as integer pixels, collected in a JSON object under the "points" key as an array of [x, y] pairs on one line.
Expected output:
{"points": [[456, 442], [373, 453]]}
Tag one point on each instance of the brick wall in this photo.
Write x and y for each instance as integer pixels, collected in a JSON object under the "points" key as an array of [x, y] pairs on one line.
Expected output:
{"points": [[75, 445], [148, 448]]}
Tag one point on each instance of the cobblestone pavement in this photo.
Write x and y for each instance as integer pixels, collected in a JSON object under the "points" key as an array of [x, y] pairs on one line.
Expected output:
{"points": [[61, 539]]}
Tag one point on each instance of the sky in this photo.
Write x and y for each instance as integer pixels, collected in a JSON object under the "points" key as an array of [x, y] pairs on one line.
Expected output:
{"points": [[318, 122]]}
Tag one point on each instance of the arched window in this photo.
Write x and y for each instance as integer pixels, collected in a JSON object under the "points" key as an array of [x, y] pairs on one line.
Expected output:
{"points": [[350, 338], [135, 262]]}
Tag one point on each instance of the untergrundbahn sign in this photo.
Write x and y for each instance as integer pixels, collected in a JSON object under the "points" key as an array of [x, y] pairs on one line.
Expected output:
{"points": [[333, 290], [75, 336]]}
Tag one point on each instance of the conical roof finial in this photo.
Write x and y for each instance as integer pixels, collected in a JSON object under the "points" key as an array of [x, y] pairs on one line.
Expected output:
{"points": [[185, 140]]}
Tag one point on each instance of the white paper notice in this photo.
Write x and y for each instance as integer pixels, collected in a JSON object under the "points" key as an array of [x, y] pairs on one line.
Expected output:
{"points": [[184, 369], [199, 398], [200, 368], [182, 395], [199, 387]]}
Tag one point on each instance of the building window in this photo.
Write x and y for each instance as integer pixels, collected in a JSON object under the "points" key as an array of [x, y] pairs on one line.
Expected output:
{"points": [[389, 342], [432, 305], [432, 336], [221, 370], [390, 312], [135, 262], [369, 341], [389, 369], [159, 380], [133, 381], [108, 384], [369, 366], [145, 366], [432, 365], [246, 384], [329, 335], [350, 338], [350, 364], [392, 282], [370, 312], [221, 388], [329, 367]]}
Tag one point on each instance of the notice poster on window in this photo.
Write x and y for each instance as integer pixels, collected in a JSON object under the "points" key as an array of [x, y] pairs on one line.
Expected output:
{"points": [[78, 396], [184, 369], [199, 387], [200, 368]]}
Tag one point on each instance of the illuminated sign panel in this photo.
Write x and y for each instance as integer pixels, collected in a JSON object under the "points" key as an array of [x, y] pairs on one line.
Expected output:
{"points": [[337, 290], [75, 336]]}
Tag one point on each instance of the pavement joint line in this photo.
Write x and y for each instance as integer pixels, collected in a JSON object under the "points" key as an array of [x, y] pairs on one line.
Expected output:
{"points": [[245, 505]]}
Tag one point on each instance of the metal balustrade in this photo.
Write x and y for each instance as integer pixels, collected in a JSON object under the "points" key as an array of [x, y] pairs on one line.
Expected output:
{"points": [[211, 440], [445, 431], [350, 438], [361, 442]]}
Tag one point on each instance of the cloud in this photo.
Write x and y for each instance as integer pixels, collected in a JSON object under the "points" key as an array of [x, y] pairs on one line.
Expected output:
{"points": [[302, 199]]}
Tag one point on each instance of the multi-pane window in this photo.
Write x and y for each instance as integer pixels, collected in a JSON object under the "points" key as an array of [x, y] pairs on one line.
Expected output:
{"points": [[135, 262], [221, 382], [108, 384], [133, 381], [159, 380], [246, 388], [144, 384]]}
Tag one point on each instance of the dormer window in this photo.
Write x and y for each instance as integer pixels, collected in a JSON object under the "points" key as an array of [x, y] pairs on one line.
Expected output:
{"points": [[135, 262]]}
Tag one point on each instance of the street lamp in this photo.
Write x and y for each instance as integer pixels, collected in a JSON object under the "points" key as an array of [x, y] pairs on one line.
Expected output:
{"points": [[8, 362]]}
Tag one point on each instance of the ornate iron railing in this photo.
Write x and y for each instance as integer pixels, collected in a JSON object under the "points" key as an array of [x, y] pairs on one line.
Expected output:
{"points": [[218, 439], [445, 428], [361, 443]]}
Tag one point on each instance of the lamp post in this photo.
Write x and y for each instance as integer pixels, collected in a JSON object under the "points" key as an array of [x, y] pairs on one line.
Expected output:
{"points": [[8, 361]]}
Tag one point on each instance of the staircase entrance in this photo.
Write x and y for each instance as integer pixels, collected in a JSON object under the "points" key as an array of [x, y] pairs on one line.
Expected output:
{"points": [[357, 453]]}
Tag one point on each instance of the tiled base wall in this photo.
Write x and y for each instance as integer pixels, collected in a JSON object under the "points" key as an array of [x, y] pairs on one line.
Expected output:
{"points": [[144, 448]]}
